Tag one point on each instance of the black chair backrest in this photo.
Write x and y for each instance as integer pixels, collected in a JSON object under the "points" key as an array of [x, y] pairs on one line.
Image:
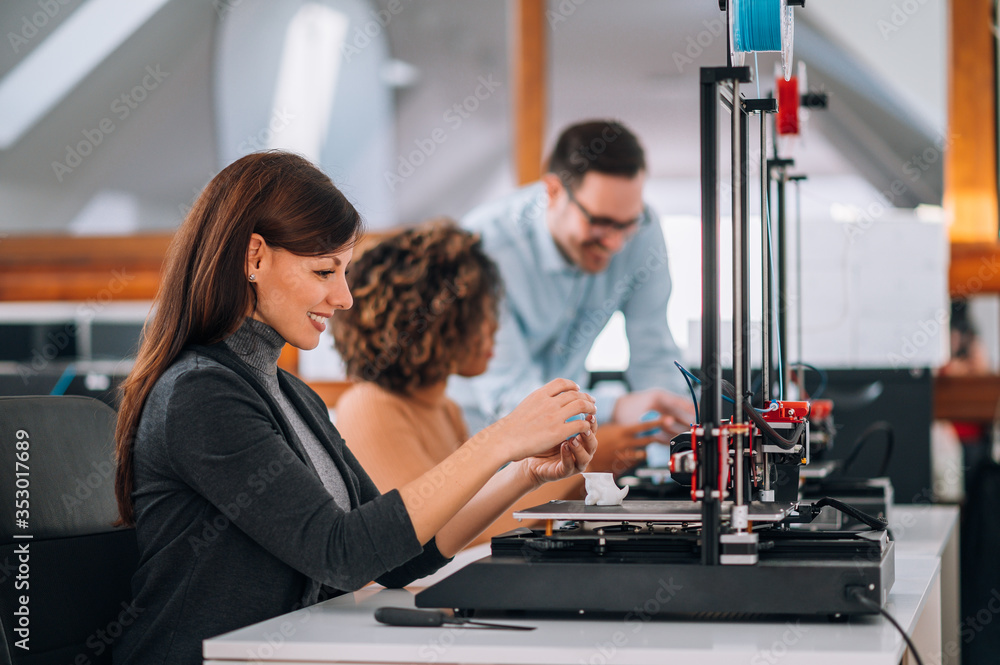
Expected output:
{"points": [[65, 571]]}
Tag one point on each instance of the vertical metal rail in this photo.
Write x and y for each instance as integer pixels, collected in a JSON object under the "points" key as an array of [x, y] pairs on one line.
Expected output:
{"points": [[711, 392], [710, 482], [781, 231], [741, 263], [777, 299], [767, 287], [762, 107], [745, 237], [800, 375], [740, 348]]}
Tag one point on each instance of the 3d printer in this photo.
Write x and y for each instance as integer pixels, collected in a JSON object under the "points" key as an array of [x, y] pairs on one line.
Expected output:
{"points": [[729, 550]]}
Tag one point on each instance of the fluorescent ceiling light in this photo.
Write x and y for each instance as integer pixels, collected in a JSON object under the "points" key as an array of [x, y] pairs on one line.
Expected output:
{"points": [[74, 49]]}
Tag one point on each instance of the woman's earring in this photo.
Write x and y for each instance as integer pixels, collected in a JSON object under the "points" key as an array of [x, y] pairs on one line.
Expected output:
{"points": [[252, 277]]}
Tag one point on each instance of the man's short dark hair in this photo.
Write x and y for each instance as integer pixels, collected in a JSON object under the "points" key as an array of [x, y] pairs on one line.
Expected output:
{"points": [[603, 146]]}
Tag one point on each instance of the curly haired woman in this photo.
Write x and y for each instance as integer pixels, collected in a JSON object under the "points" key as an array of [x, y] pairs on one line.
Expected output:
{"points": [[425, 308]]}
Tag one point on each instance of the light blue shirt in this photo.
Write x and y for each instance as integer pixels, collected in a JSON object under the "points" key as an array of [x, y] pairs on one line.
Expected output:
{"points": [[552, 311]]}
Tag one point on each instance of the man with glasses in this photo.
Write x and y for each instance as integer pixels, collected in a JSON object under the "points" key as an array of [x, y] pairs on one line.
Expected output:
{"points": [[573, 249]]}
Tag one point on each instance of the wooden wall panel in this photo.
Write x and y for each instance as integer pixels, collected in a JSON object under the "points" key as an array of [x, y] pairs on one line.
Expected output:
{"points": [[974, 269], [50, 268], [966, 398]]}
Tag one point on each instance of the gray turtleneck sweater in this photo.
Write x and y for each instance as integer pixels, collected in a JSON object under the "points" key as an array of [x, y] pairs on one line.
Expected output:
{"points": [[259, 346]]}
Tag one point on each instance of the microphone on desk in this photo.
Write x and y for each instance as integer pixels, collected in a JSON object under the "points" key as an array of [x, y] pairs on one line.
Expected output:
{"points": [[402, 616]]}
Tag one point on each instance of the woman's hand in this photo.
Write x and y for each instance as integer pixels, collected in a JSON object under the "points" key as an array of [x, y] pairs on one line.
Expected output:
{"points": [[564, 460], [540, 421]]}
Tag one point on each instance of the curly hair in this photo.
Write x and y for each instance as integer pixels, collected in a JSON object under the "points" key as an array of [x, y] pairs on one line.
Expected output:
{"points": [[420, 298]]}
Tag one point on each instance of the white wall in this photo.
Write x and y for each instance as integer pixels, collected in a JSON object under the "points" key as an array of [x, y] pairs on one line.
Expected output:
{"points": [[874, 278]]}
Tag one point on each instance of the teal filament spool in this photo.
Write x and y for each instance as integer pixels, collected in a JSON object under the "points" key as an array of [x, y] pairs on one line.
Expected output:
{"points": [[761, 26]]}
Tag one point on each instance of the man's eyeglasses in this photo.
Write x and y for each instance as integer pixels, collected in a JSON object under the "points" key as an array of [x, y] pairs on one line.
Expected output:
{"points": [[606, 224]]}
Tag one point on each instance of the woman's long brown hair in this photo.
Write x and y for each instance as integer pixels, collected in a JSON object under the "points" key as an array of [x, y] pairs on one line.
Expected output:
{"points": [[205, 294]]}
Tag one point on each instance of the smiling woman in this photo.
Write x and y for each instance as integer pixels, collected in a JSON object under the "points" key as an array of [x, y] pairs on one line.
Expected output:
{"points": [[297, 294], [246, 501]]}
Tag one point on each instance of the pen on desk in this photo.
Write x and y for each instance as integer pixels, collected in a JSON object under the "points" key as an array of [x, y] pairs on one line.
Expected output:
{"points": [[401, 616]]}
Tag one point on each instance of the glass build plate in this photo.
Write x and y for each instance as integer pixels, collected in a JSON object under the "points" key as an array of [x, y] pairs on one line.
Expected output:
{"points": [[647, 511]]}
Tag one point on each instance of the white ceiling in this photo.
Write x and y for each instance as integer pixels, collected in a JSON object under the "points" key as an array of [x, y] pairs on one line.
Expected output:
{"points": [[609, 57]]}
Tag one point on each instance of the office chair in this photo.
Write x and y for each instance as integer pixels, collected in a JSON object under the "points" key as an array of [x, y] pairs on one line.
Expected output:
{"points": [[65, 571]]}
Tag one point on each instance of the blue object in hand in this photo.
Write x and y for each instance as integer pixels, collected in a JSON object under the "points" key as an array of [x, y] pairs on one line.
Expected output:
{"points": [[657, 454], [646, 417], [579, 416]]}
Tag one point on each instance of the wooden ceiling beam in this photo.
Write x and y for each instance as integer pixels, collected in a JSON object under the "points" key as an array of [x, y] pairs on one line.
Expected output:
{"points": [[530, 67], [970, 192]]}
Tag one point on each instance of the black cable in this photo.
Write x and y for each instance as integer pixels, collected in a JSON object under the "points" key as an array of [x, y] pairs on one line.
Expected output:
{"points": [[823, 378], [876, 523], [694, 398], [868, 602], [772, 435], [874, 428]]}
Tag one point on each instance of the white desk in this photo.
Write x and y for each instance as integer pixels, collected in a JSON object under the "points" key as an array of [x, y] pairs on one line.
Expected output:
{"points": [[343, 630], [932, 531]]}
